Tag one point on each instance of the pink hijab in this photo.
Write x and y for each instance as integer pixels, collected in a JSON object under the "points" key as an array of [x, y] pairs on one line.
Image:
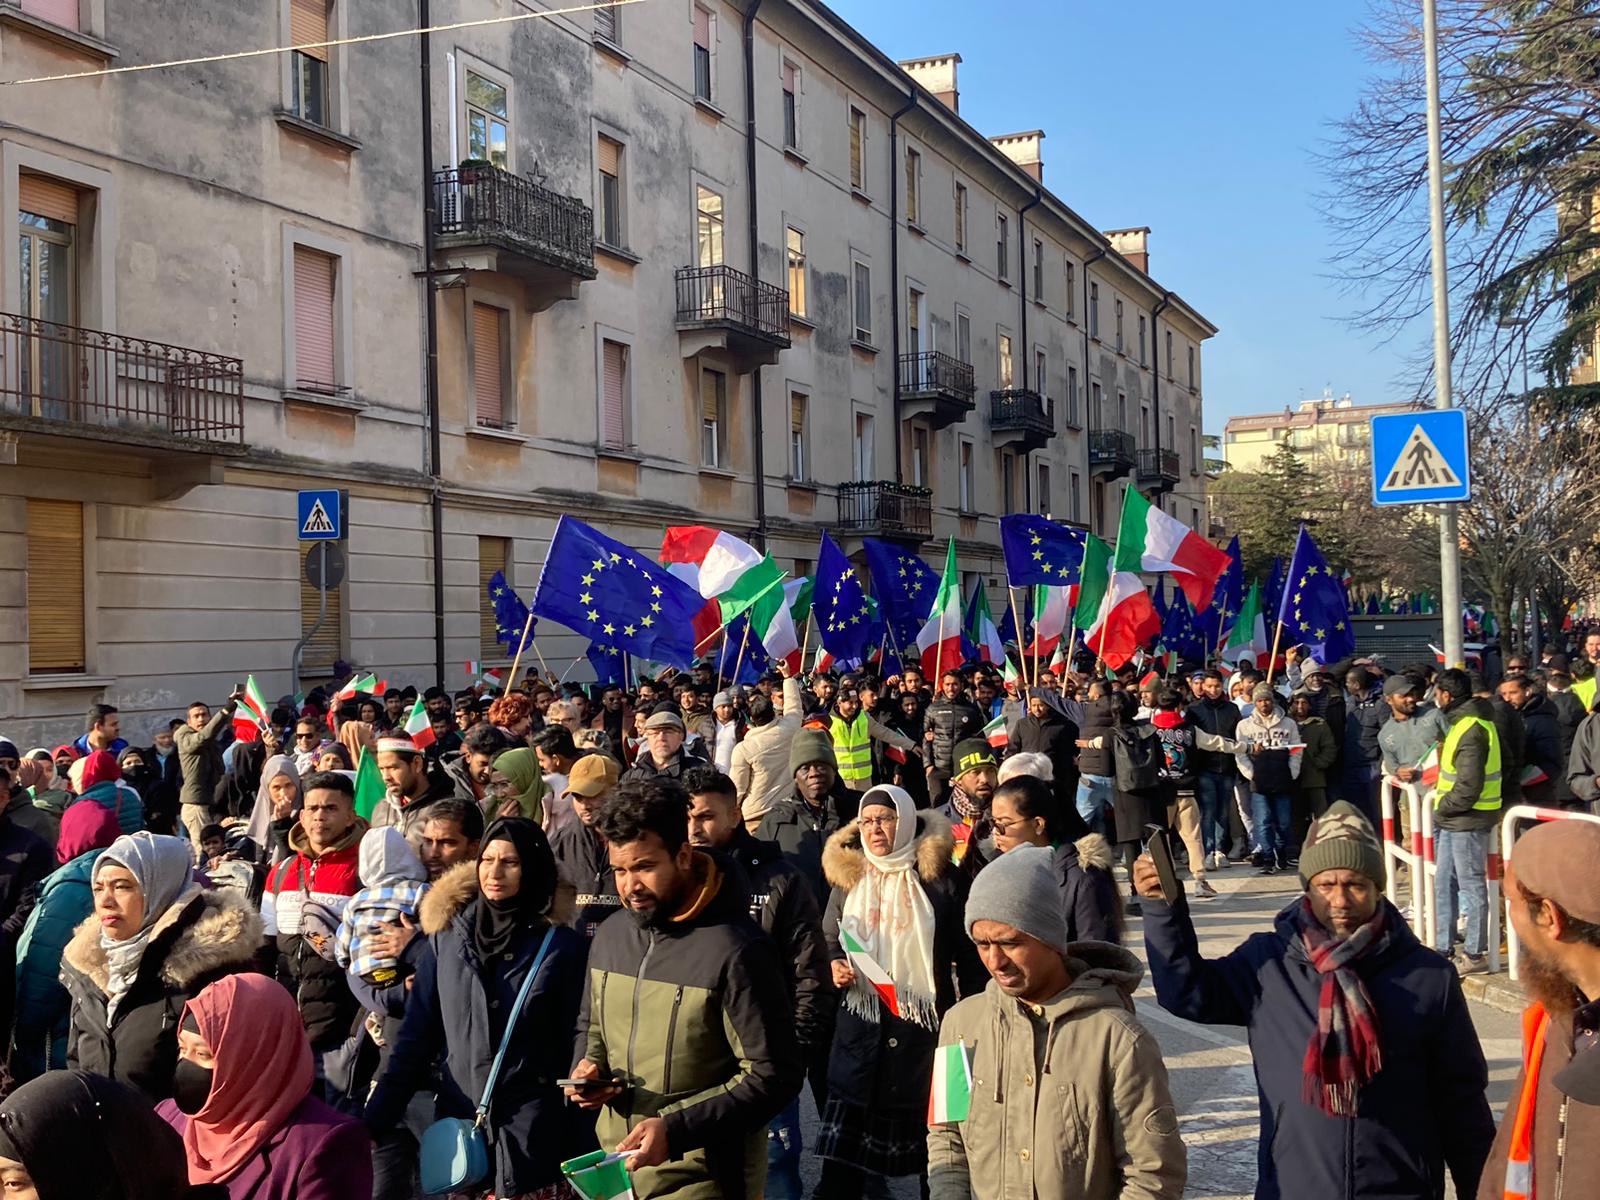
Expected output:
{"points": [[262, 1073]]}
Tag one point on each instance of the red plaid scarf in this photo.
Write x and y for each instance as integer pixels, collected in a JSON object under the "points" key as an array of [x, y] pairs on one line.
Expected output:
{"points": [[1343, 1053]]}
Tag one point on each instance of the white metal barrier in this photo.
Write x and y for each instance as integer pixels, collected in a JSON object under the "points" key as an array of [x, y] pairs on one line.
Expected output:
{"points": [[1508, 826]]}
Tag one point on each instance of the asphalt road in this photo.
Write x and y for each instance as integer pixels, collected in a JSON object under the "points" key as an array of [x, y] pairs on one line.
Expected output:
{"points": [[1212, 1079]]}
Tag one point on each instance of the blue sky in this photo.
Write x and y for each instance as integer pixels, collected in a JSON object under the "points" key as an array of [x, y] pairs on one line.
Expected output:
{"points": [[1201, 121]]}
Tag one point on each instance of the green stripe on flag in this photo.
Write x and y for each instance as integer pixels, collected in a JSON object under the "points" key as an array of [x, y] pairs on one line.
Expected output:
{"points": [[370, 790], [758, 583], [1093, 581]]}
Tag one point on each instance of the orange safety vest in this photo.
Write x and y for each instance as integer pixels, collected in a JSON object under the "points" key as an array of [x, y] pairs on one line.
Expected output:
{"points": [[1519, 1156]]}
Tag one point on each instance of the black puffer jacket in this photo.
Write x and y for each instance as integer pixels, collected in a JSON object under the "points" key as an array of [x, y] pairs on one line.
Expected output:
{"points": [[1543, 748], [1097, 724], [583, 865], [949, 721], [801, 831], [1089, 897], [201, 938], [1220, 717], [1057, 738]]}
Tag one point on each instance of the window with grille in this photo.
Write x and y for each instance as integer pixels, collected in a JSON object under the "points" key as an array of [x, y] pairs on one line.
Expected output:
{"points": [[308, 68], [608, 157], [791, 106], [713, 418], [858, 141], [494, 554], [55, 587], [795, 251], [489, 327], [863, 303], [799, 458], [315, 334], [704, 23], [616, 431]]}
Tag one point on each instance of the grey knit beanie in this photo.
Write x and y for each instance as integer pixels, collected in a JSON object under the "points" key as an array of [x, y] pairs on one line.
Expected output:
{"points": [[1019, 889], [1341, 839]]}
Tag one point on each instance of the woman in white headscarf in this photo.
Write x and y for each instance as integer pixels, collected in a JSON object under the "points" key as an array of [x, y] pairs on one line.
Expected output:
{"points": [[155, 939], [895, 931], [277, 808]]}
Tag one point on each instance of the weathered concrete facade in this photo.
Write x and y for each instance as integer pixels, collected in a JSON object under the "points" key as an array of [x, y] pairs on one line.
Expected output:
{"points": [[199, 192]]}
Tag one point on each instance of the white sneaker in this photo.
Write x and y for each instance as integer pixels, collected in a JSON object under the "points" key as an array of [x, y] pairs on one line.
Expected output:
{"points": [[1219, 860]]}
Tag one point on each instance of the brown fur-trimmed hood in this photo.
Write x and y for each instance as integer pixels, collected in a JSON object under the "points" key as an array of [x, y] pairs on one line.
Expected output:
{"points": [[844, 861], [225, 936], [458, 887]]}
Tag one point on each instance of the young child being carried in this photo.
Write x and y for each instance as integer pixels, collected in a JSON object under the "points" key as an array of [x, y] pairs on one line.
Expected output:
{"points": [[393, 881]]}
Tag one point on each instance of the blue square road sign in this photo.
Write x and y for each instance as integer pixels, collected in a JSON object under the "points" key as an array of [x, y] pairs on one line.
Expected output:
{"points": [[320, 516], [1421, 458]]}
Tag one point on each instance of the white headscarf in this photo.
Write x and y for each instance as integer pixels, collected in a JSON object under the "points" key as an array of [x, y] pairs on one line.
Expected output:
{"points": [[261, 815], [163, 867], [888, 913]]}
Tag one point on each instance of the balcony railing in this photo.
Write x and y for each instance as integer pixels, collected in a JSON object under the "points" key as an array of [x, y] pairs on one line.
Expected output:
{"points": [[1111, 448], [878, 506], [722, 296], [489, 204], [92, 380], [1159, 466], [1020, 408], [932, 372]]}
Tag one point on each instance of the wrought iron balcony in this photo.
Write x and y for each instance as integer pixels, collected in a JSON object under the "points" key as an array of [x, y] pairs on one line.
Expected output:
{"points": [[485, 218], [1159, 469], [1111, 452], [936, 387], [67, 380], [1019, 417], [879, 508], [725, 309]]}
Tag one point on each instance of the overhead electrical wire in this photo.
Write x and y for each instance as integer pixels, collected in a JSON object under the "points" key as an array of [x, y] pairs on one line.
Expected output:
{"points": [[348, 41]]}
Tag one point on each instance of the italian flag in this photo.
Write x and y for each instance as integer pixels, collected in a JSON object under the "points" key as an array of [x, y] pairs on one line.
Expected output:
{"points": [[995, 733], [867, 967], [1150, 540], [1533, 775], [733, 573], [1428, 766], [1113, 601], [250, 718], [950, 1098], [1249, 634], [600, 1175], [1052, 616], [1009, 674], [491, 676], [939, 640], [981, 629], [418, 725], [370, 788], [779, 615]]}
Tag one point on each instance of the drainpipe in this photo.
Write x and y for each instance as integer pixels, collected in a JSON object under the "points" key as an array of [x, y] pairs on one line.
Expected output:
{"points": [[894, 276], [758, 425], [1161, 306], [436, 497], [1088, 410], [1027, 347]]}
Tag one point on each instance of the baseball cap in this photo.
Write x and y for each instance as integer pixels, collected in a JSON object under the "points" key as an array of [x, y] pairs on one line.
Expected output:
{"points": [[591, 775], [1399, 685]]}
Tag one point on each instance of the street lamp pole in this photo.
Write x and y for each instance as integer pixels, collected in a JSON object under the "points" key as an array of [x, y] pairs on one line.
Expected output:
{"points": [[1449, 539]]}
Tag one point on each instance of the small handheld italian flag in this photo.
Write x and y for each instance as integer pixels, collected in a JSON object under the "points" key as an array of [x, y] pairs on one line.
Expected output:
{"points": [[600, 1176], [869, 969], [995, 733], [1533, 775], [1009, 674], [418, 725], [491, 677], [250, 718], [950, 1098], [1428, 764]]}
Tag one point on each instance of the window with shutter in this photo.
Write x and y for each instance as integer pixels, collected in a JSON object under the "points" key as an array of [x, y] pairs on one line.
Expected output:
{"points": [[64, 13], [797, 435], [55, 587], [488, 366], [961, 218], [326, 645], [913, 187], [702, 53], [48, 198], [713, 417], [791, 105], [614, 430], [608, 158], [308, 68], [795, 248], [314, 367], [858, 138], [607, 21], [493, 555]]}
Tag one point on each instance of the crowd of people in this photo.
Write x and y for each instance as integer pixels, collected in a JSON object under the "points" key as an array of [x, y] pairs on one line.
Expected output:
{"points": [[645, 920]]}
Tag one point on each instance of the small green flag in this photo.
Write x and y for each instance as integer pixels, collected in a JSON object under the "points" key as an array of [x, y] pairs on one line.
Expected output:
{"points": [[369, 786], [600, 1176]]}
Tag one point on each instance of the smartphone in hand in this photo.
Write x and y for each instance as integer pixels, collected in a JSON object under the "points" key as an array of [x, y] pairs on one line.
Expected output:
{"points": [[1159, 848]]}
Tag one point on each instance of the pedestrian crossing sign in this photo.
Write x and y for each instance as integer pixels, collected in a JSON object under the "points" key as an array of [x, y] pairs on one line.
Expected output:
{"points": [[320, 516], [1420, 458]]}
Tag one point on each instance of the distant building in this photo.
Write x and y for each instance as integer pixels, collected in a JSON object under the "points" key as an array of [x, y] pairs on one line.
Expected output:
{"points": [[1327, 429]]}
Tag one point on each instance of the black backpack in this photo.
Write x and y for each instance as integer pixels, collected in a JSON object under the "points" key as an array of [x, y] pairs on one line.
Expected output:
{"points": [[1136, 751]]}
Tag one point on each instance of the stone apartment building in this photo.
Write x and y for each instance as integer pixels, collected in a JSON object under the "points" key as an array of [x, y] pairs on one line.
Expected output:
{"points": [[1325, 431], [690, 261]]}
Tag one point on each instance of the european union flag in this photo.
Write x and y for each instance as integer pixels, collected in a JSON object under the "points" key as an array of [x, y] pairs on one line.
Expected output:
{"points": [[1314, 611], [846, 624], [510, 613], [616, 595], [904, 586], [1213, 624], [1008, 623], [752, 663], [607, 664], [1272, 593], [1178, 632], [1040, 551]]}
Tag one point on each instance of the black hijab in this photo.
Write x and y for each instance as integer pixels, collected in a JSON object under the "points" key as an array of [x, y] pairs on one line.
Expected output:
{"points": [[497, 925], [86, 1137]]}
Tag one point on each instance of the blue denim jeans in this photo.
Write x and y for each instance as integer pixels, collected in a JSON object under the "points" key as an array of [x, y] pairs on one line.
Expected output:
{"points": [[1214, 792], [1273, 812], [783, 1154], [1462, 860], [1094, 799]]}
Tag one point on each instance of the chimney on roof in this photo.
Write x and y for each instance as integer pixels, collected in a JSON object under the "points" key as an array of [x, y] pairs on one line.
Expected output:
{"points": [[1024, 149], [1132, 244], [937, 75]]}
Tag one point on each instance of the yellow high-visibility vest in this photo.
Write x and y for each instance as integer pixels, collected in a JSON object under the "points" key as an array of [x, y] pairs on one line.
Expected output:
{"points": [[1489, 798], [852, 747], [1583, 689]]}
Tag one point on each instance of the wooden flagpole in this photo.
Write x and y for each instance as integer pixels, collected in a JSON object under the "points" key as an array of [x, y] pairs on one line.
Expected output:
{"points": [[805, 643], [738, 662], [522, 645], [1277, 635], [1016, 627]]}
